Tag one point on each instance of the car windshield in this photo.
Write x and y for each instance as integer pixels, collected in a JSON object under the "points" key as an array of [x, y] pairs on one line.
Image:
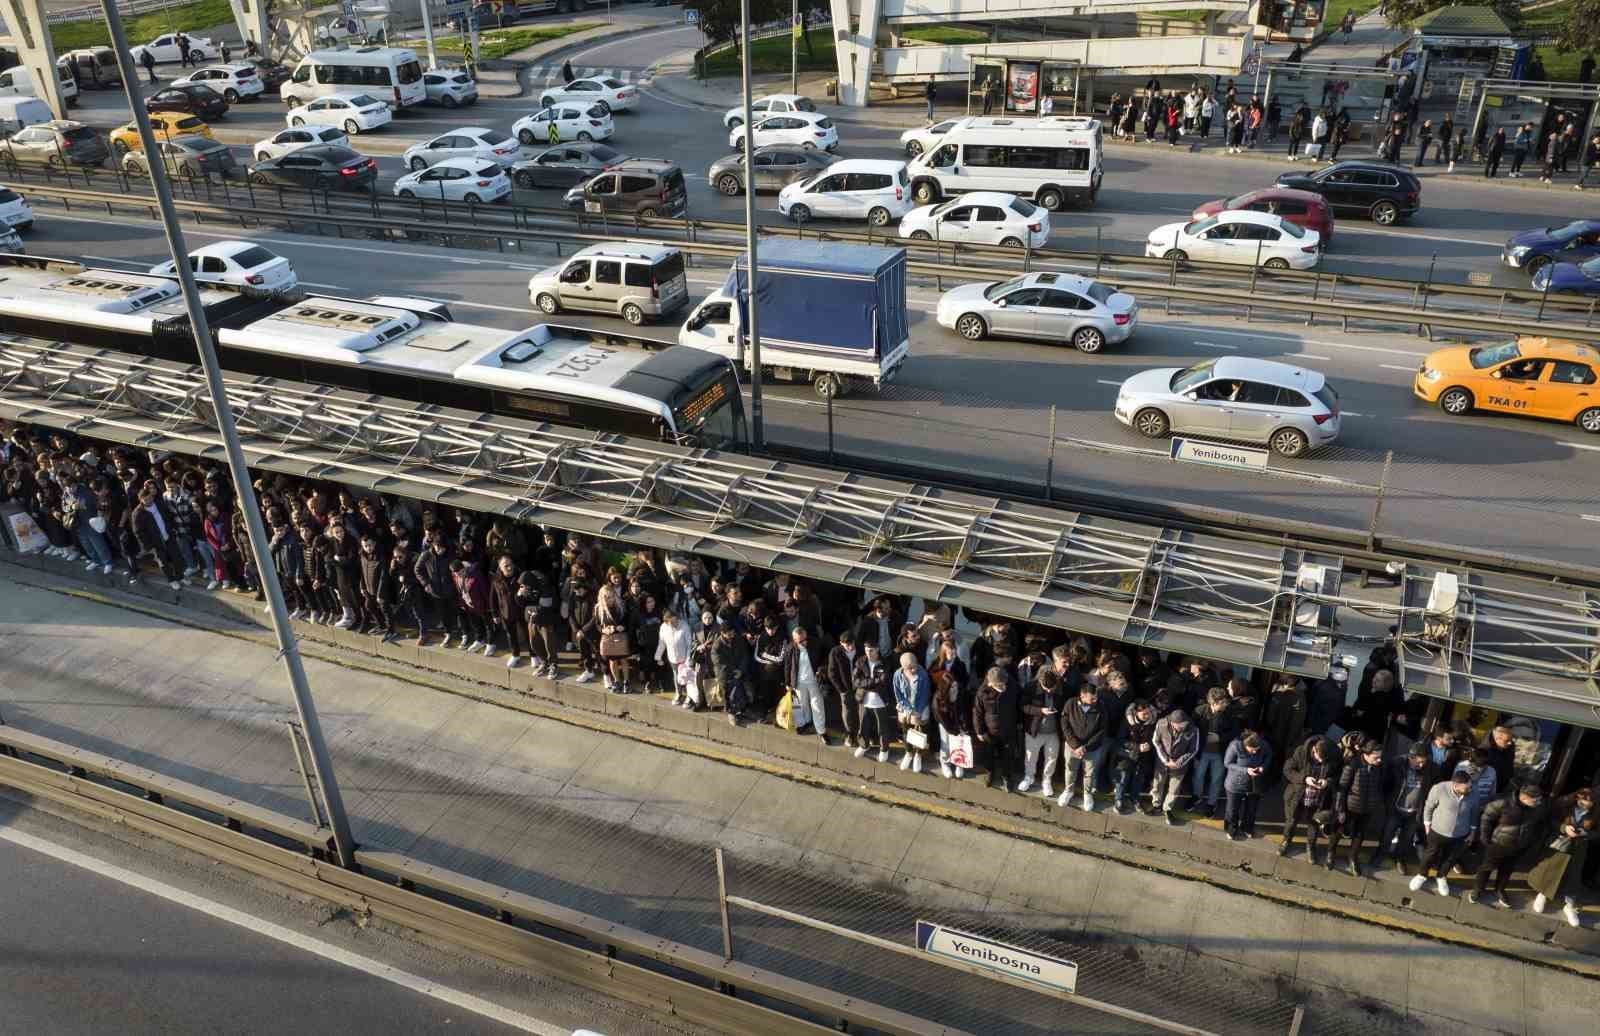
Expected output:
{"points": [[1022, 207], [493, 137], [1237, 202], [1591, 269], [78, 133], [1099, 292], [942, 208], [1327, 397], [331, 133], [994, 291], [253, 257], [824, 123], [1189, 377], [7, 196], [1490, 355], [601, 153], [364, 100], [804, 104], [615, 84], [1200, 226], [340, 155], [1568, 232], [1291, 229]]}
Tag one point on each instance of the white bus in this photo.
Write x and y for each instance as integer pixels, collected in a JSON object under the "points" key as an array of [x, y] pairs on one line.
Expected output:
{"points": [[1055, 160], [393, 73]]}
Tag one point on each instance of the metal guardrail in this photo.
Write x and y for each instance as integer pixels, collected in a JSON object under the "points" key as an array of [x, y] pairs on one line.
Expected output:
{"points": [[410, 892]]}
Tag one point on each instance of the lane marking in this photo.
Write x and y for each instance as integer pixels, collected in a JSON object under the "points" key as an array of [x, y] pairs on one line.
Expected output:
{"points": [[109, 259], [1590, 517], [1350, 413], [1583, 446], [1216, 345], [1307, 356], [367, 965], [1279, 335], [1343, 229], [1113, 384], [489, 305], [330, 287], [1397, 367]]}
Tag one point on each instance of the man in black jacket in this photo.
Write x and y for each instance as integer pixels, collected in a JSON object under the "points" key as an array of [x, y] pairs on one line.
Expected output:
{"points": [[1407, 779], [432, 570], [1309, 778], [1358, 804], [839, 672], [1042, 703], [1086, 728], [994, 717], [156, 530], [1508, 828]]}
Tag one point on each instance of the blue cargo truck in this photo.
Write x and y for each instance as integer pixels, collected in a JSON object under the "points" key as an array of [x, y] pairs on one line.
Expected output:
{"points": [[830, 313]]}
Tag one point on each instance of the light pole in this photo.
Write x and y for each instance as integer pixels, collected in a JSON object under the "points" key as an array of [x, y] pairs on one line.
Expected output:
{"points": [[427, 32], [751, 332], [794, 46], [287, 649]]}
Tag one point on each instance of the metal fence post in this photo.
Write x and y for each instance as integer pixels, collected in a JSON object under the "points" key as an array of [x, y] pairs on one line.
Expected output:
{"points": [[1377, 506], [305, 772], [1099, 252], [1050, 459], [830, 428], [727, 931], [1544, 297]]}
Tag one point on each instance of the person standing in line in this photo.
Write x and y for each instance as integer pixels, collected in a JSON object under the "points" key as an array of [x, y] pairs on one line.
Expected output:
{"points": [[1559, 861], [840, 676], [931, 94], [1176, 743], [1446, 822], [1508, 828], [1424, 141], [952, 702], [1273, 116], [1497, 150], [1447, 144], [1321, 128], [1208, 111], [1042, 703], [1087, 729], [1219, 726], [1357, 804], [994, 717], [506, 610], [1341, 133], [1235, 130], [1407, 780], [1309, 778], [1521, 144], [1174, 121], [871, 680], [1245, 767], [913, 696]]}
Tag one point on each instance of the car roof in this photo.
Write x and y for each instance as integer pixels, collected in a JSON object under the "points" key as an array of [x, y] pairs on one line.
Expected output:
{"points": [[646, 165], [1249, 368], [323, 151], [1065, 281], [234, 68], [474, 130], [1000, 198], [1285, 194], [1545, 347], [61, 125], [1265, 219], [225, 249], [195, 142], [866, 165], [472, 165], [623, 250], [777, 97]]}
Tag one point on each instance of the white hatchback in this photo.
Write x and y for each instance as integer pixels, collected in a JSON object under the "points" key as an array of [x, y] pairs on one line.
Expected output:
{"points": [[467, 142], [612, 94], [243, 263], [354, 114], [572, 122], [918, 139], [285, 141], [980, 218], [451, 89], [774, 104], [807, 129], [15, 212], [1239, 236], [873, 189], [457, 179], [234, 82]]}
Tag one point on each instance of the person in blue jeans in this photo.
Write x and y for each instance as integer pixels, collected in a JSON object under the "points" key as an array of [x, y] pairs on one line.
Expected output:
{"points": [[1219, 725], [1245, 763]]}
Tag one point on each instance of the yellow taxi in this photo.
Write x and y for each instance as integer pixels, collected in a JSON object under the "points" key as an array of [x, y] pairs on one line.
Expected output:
{"points": [[165, 125], [1539, 377]]}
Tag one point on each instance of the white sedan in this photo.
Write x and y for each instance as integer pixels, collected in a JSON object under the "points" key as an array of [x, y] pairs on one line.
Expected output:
{"points": [[234, 82], [457, 179], [243, 263], [353, 114], [980, 218], [164, 49], [614, 94], [1240, 236], [285, 141], [774, 104], [572, 122], [467, 142], [15, 212], [918, 139], [808, 129]]}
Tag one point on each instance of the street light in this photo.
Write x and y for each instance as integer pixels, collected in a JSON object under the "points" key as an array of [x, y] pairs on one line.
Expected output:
{"points": [[751, 332]]}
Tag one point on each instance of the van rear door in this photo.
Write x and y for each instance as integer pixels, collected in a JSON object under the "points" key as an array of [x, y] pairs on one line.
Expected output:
{"points": [[669, 280]]}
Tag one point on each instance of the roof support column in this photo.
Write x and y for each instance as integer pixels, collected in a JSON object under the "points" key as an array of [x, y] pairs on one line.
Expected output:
{"points": [[251, 18], [854, 47], [31, 35]]}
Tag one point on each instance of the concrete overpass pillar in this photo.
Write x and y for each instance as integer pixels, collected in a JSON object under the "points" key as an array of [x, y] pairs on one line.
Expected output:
{"points": [[854, 49], [251, 18], [25, 18]]}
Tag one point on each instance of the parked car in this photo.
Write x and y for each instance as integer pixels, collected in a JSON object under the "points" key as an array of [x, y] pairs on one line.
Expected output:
{"points": [[640, 186], [57, 142], [165, 126], [1059, 307], [192, 98], [355, 114], [1240, 398], [564, 165], [317, 166], [611, 94], [468, 142], [15, 212], [1534, 376], [164, 49], [1238, 236], [456, 179], [803, 128], [776, 166], [284, 141], [451, 89], [772, 104], [1304, 209], [980, 218], [97, 67], [918, 139], [193, 157], [873, 189], [1572, 278], [573, 122], [1533, 250], [242, 263], [234, 82], [1383, 192]]}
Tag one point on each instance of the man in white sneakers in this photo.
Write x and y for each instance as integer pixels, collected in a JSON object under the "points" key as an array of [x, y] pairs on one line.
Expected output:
{"points": [[1446, 820]]}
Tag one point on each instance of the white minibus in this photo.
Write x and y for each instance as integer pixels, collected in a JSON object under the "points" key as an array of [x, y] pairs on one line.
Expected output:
{"points": [[1055, 160], [393, 73]]}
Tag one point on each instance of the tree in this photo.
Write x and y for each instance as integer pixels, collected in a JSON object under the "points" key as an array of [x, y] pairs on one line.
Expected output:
{"points": [[1404, 12], [1581, 28], [719, 19]]}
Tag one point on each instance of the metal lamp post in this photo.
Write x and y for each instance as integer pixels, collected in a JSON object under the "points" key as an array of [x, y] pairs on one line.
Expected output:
{"points": [[751, 332]]}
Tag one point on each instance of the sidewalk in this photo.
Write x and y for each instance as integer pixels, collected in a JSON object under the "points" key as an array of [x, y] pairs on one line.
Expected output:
{"points": [[598, 801], [1372, 38]]}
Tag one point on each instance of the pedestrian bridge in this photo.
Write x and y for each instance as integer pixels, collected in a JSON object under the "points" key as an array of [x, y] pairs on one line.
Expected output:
{"points": [[1199, 55]]}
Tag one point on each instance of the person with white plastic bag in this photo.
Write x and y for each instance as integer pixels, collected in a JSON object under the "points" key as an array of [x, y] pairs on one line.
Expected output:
{"points": [[673, 648], [952, 707]]}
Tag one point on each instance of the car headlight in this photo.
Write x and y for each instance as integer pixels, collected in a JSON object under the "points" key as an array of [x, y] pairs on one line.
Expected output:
{"points": [[1429, 374], [1519, 252]]}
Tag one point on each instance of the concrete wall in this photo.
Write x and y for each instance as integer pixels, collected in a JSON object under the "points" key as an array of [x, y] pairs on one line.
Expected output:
{"points": [[1216, 54]]}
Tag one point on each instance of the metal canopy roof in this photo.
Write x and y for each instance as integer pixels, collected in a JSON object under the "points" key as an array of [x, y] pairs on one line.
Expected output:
{"points": [[1170, 589], [1508, 642]]}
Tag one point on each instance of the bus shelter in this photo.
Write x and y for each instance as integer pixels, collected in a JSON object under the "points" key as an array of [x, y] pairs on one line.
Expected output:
{"points": [[1023, 82], [1508, 103], [1367, 94]]}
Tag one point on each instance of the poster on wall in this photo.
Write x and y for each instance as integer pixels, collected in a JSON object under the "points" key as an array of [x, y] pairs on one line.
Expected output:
{"points": [[1022, 94]]}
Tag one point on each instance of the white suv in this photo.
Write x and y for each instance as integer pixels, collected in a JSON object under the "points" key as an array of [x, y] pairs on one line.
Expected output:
{"points": [[234, 82], [872, 189]]}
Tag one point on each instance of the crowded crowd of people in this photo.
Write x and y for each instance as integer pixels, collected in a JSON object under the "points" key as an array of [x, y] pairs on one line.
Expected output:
{"points": [[1027, 706]]}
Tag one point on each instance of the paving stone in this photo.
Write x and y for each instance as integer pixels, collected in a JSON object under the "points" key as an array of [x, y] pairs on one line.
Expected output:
{"points": [[844, 761], [1243, 929], [1467, 986], [1558, 1003], [1145, 904], [1583, 940], [1150, 832], [681, 721], [1258, 856], [945, 852], [1355, 957], [1080, 820], [786, 744], [778, 808], [863, 831]]}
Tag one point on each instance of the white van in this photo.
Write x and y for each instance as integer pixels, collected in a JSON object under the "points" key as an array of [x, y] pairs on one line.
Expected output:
{"points": [[1054, 160], [393, 73], [874, 189], [20, 112], [18, 82]]}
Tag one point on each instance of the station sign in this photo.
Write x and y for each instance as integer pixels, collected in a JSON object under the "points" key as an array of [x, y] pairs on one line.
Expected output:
{"points": [[1010, 961], [1221, 455]]}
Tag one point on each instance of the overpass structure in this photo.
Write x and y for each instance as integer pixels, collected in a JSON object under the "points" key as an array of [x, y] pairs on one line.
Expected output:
{"points": [[861, 25], [1501, 641]]}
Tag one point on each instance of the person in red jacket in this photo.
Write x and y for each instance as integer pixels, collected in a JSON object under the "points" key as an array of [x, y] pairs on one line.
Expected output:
{"points": [[472, 596]]}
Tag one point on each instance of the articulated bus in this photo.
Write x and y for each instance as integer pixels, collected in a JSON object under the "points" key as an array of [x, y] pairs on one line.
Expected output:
{"points": [[402, 348]]}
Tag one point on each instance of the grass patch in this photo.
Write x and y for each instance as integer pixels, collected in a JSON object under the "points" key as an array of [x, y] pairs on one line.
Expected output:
{"points": [[198, 17], [1561, 68], [497, 43], [772, 55], [945, 34], [1337, 9]]}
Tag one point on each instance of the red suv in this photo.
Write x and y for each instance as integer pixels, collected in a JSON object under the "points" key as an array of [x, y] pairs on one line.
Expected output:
{"points": [[1302, 208]]}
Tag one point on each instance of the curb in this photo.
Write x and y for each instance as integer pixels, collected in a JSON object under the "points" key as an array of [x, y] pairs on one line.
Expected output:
{"points": [[1251, 868]]}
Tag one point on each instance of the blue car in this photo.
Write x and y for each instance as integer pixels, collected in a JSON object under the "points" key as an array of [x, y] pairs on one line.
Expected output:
{"points": [[1533, 250], [1575, 278]]}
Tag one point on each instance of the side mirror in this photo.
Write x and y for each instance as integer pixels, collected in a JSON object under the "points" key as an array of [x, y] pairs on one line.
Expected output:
{"points": [[1002, 304], [1191, 395], [1497, 374]]}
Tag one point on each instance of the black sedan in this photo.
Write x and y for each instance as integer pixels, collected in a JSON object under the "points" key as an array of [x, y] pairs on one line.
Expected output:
{"points": [[319, 167], [189, 157], [564, 165], [192, 98]]}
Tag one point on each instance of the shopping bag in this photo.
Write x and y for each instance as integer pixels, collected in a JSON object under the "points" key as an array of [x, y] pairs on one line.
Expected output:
{"points": [[1311, 150], [958, 749], [916, 739], [785, 717]]}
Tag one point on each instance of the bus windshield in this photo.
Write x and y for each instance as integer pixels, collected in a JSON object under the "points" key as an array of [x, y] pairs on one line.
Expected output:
{"points": [[713, 418]]}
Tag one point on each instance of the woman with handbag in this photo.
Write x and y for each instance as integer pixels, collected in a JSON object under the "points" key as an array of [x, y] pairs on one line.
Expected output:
{"points": [[1558, 862], [614, 619], [952, 706], [912, 697], [577, 607]]}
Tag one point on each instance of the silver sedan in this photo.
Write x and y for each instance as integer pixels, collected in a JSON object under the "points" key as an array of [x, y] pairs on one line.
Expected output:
{"points": [[1059, 307], [776, 166]]}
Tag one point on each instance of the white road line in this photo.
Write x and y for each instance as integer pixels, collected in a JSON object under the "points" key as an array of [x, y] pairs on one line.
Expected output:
{"points": [[1278, 336], [1216, 345], [1344, 229], [488, 305], [1104, 381], [110, 259], [1309, 356], [367, 965], [1584, 446], [1350, 413], [1397, 367], [1590, 517]]}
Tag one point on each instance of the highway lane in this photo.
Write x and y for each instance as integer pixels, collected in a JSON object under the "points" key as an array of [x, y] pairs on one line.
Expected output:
{"points": [[1484, 481]]}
